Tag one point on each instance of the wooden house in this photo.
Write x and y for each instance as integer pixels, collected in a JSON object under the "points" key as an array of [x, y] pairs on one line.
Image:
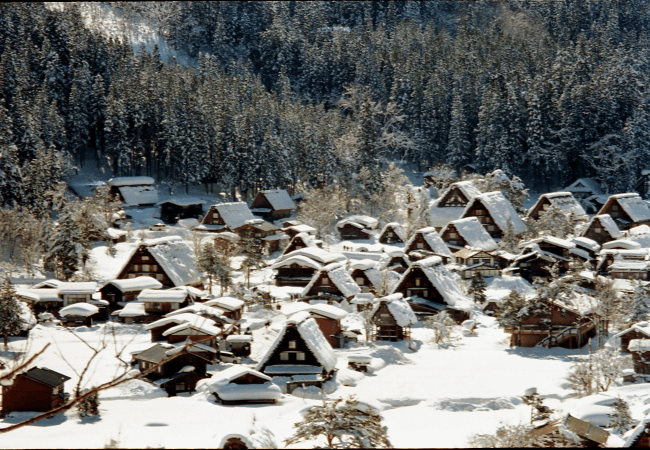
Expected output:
{"points": [[265, 233], [472, 262], [328, 318], [601, 229], [584, 188], [427, 242], [227, 242], [300, 241], [232, 307], [586, 245], [640, 349], [116, 236], [300, 351], [40, 300], [38, 390], [366, 275], [273, 204], [201, 309], [393, 233], [120, 291], [167, 360], [133, 312], [451, 203], [68, 293], [79, 314], [199, 331], [239, 344], [171, 211], [564, 201], [627, 210], [630, 270], [184, 381], [333, 281], [158, 302], [469, 232], [495, 213], [432, 289], [295, 271], [169, 260], [357, 228], [239, 385], [391, 319], [642, 185], [622, 339], [587, 434], [395, 261], [159, 327], [293, 230], [133, 191], [561, 326], [225, 217]]}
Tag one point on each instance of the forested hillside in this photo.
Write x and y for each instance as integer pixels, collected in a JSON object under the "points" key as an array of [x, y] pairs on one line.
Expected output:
{"points": [[289, 92]]}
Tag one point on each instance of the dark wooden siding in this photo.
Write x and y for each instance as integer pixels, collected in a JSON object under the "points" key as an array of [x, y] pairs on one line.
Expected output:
{"points": [[28, 395], [292, 335]]}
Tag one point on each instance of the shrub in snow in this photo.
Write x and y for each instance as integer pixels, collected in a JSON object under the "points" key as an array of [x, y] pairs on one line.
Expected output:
{"points": [[343, 425], [89, 406], [11, 321], [640, 305], [514, 436], [442, 325], [596, 372], [621, 419], [538, 410], [508, 312]]}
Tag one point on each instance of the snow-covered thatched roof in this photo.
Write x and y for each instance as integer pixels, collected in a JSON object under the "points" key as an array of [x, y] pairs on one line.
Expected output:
{"points": [[162, 295], [397, 229], [399, 309], [564, 201], [178, 261], [132, 309], [234, 214], [564, 243], [588, 185], [199, 309], [279, 199], [135, 284], [607, 223], [433, 239], [361, 222], [79, 309], [226, 303], [338, 276], [442, 280], [325, 310], [439, 217], [499, 209], [633, 205], [194, 328], [586, 243], [131, 181], [178, 319], [623, 244], [313, 337], [183, 201], [473, 232], [139, 195], [86, 287], [319, 255], [39, 295], [302, 261]]}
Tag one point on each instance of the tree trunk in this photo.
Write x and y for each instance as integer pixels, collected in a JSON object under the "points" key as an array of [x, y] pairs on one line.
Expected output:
{"points": [[6, 341]]}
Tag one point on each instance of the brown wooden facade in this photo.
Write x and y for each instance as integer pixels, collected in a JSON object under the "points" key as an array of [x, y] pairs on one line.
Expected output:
{"points": [[182, 382], [419, 244], [482, 213], [294, 275], [143, 264], [325, 286], [630, 335], [641, 361], [453, 197], [350, 232], [113, 296], [416, 283], [397, 264], [331, 329], [597, 232], [385, 327], [212, 217], [361, 279], [619, 215], [298, 242], [291, 350], [453, 238], [38, 390], [168, 366], [258, 233], [170, 212], [389, 236], [261, 202]]}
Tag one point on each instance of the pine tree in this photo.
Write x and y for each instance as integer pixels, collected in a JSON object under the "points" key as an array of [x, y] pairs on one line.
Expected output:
{"points": [[640, 305], [252, 248], [477, 288], [89, 407], [508, 312], [10, 320], [342, 425], [621, 419], [208, 262], [63, 254]]}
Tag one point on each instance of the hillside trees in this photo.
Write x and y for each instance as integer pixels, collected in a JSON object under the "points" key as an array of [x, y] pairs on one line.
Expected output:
{"points": [[10, 319]]}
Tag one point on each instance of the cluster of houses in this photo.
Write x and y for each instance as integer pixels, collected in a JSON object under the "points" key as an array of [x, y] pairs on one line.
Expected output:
{"points": [[398, 278]]}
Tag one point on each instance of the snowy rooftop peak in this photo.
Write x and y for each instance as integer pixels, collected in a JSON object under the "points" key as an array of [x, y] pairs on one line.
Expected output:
{"points": [[622, 244], [279, 199], [131, 181], [79, 309], [428, 262], [161, 240], [363, 264], [298, 317]]}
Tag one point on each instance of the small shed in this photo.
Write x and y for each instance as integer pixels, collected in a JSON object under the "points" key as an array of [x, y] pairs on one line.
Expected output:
{"points": [[239, 344], [392, 318], [357, 227], [184, 381], [181, 208], [134, 191], [165, 361], [117, 291], [630, 270], [133, 312], [588, 434], [232, 307], [38, 389], [238, 385], [78, 314], [158, 302]]}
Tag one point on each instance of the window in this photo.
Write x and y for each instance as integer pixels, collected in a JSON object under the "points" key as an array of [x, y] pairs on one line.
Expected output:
{"points": [[215, 216], [136, 267], [614, 207], [475, 260], [425, 294], [131, 275], [258, 235], [325, 280], [490, 227], [56, 390], [284, 356], [418, 281], [292, 344], [180, 387], [419, 245], [145, 258], [453, 235], [156, 305], [159, 276], [359, 281], [72, 299], [145, 267], [390, 234], [453, 242], [174, 306], [598, 230], [300, 356]]}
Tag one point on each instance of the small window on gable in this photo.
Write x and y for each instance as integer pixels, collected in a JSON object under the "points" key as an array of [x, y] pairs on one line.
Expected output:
{"points": [[292, 344], [419, 245], [418, 281], [300, 356], [145, 258], [359, 281], [325, 280], [598, 230], [284, 356]]}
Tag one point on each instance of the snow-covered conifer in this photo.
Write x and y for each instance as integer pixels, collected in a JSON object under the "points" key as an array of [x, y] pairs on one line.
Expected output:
{"points": [[621, 419], [10, 319], [477, 288]]}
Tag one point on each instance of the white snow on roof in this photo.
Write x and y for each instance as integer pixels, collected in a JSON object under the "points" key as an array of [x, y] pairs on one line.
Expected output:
{"points": [[114, 233], [442, 280], [133, 309], [586, 243], [641, 327], [366, 222], [632, 435], [234, 214], [48, 284], [339, 276], [468, 188], [641, 266], [130, 181], [607, 223], [183, 201], [500, 210], [139, 195], [319, 255], [178, 261], [279, 199], [584, 185], [397, 229], [634, 206], [473, 232], [363, 264], [439, 217], [624, 244], [239, 338], [136, 284], [639, 345], [580, 252], [79, 309], [399, 308], [87, 287], [640, 230], [551, 240], [563, 201], [161, 295], [302, 228], [197, 308], [179, 319], [204, 328], [290, 309], [433, 239], [227, 303], [233, 372], [313, 337], [326, 310], [40, 295], [300, 260]]}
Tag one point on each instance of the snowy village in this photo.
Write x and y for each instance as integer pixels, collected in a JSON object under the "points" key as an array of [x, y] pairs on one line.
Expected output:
{"points": [[412, 224]]}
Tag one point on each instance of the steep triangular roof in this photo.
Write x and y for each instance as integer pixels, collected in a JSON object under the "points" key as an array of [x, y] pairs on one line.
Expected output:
{"points": [[397, 229], [278, 198], [473, 232], [398, 308], [632, 204], [562, 200], [339, 276], [234, 214], [607, 223], [433, 239], [500, 210]]}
